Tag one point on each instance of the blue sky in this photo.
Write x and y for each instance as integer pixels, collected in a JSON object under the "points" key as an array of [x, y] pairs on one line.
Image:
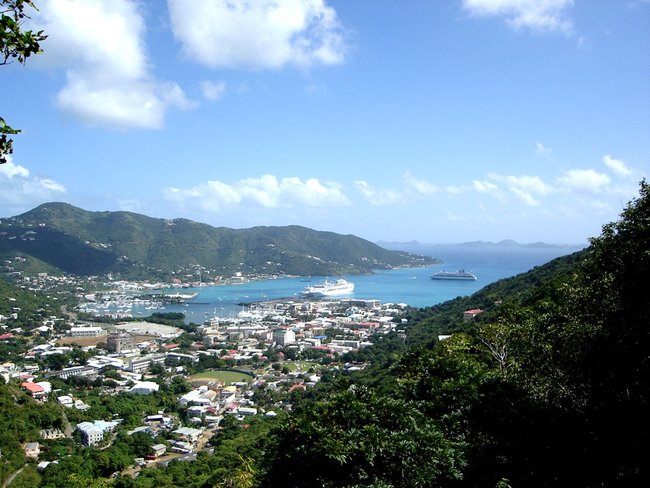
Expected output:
{"points": [[439, 121]]}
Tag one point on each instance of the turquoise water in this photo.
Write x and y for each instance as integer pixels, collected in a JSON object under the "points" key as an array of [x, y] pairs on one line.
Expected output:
{"points": [[409, 285]]}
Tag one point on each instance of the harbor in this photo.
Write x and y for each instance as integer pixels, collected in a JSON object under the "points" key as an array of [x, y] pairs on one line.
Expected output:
{"points": [[411, 286]]}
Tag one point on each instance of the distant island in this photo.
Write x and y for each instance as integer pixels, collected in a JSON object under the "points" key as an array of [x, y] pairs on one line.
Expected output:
{"points": [[413, 245]]}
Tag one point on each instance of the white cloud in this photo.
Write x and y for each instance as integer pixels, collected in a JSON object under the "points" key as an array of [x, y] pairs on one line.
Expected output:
{"points": [[421, 187], [525, 197], [267, 191], [525, 187], [380, 196], [617, 166], [537, 15], [584, 181], [100, 44], [257, 34], [18, 188], [411, 188], [542, 149], [533, 184], [488, 188], [10, 170], [213, 91]]}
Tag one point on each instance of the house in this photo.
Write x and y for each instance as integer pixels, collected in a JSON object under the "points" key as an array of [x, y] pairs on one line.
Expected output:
{"points": [[158, 449], [32, 450], [65, 400], [246, 411], [144, 429], [188, 434], [36, 391], [470, 314]]}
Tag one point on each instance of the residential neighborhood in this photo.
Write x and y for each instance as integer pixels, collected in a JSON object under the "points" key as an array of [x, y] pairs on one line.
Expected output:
{"points": [[239, 368]]}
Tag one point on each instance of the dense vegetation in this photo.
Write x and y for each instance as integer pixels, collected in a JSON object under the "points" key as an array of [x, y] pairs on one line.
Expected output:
{"points": [[550, 388], [86, 243]]}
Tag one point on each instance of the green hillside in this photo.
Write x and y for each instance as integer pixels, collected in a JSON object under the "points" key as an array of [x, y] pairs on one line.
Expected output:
{"points": [[548, 387], [86, 243]]}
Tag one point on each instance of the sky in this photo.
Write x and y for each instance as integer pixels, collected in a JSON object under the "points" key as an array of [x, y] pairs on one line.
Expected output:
{"points": [[439, 121]]}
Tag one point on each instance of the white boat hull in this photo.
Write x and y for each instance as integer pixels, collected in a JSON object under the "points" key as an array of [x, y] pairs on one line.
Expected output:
{"points": [[329, 289]]}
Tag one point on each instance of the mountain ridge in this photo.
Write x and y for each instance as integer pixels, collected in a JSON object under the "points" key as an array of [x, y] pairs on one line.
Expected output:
{"points": [[133, 245]]}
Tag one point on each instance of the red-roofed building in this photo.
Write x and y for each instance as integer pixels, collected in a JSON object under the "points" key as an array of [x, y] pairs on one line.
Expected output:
{"points": [[36, 391], [297, 386], [5, 337], [470, 314]]}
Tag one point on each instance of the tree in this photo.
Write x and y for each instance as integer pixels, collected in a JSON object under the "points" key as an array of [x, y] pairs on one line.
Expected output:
{"points": [[359, 438], [16, 44]]}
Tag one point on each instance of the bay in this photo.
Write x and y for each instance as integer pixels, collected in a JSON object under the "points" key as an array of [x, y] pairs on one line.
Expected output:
{"points": [[411, 286]]}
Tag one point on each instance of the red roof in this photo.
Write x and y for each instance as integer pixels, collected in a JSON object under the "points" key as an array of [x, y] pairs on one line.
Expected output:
{"points": [[32, 387], [6, 336]]}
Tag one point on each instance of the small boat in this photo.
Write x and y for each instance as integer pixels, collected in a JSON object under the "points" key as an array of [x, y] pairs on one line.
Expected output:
{"points": [[461, 274]]}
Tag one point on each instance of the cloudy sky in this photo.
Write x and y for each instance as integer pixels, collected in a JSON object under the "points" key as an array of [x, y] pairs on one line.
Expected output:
{"points": [[434, 120]]}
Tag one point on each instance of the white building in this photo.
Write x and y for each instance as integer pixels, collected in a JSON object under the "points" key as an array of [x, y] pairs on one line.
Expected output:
{"points": [[87, 331], [283, 337], [144, 387], [246, 411], [200, 396], [93, 432]]}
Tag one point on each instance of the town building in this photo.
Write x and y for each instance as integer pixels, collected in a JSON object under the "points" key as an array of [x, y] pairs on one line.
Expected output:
{"points": [[92, 433], [283, 337], [87, 332], [142, 363], [144, 387], [120, 342]]}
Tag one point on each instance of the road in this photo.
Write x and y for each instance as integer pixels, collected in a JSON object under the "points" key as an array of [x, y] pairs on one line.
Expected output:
{"points": [[11, 478]]}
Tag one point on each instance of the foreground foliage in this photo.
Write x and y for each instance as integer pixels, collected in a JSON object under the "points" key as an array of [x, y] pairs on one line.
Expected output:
{"points": [[548, 388]]}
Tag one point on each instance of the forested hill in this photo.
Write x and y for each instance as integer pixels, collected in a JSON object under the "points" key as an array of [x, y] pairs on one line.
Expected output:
{"points": [[84, 243], [549, 387]]}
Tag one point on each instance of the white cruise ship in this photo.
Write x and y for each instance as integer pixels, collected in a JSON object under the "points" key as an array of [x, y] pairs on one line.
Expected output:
{"points": [[461, 274], [329, 289]]}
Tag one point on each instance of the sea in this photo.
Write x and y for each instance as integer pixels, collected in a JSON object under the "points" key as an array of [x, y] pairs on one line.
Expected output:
{"points": [[411, 286]]}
